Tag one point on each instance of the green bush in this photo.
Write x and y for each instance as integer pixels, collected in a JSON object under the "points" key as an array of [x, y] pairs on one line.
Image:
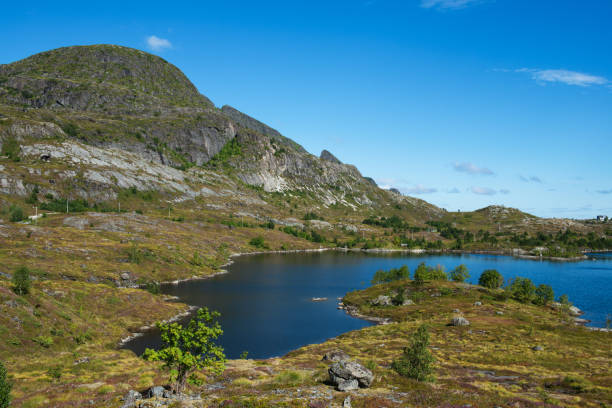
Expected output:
{"points": [[44, 341], [391, 275], [16, 213], [543, 295], [5, 388], [11, 149], [55, 372], [522, 290], [424, 273], [491, 279], [416, 361], [22, 281], [460, 273], [153, 288], [70, 129], [258, 242]]}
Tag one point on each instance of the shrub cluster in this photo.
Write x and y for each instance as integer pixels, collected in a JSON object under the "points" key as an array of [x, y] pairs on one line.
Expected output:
{"points": [[391, 275]]}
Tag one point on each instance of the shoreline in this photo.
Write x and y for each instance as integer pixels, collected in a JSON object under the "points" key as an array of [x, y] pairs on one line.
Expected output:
{"points": [[350, 310]]}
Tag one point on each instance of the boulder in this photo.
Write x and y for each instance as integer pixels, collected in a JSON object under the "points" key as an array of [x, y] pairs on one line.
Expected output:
{"points": [[130, 398], [574, 311], [477, 303], [459, 321], [407, 302], [349, 375], [537, 348], [336, 355], [156, 392], [382, 300], [347, 402]]}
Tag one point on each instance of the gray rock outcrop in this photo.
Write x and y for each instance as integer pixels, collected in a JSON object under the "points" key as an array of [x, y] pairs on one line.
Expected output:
{"points": [[460, 321], [349, 375]]}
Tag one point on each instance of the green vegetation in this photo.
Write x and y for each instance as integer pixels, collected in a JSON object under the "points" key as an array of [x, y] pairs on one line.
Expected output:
{"points": [[459, 274], [258, 242], [230, 149], [22, 281], [16, 213], [428, 273], [391, 275], [11, 149], [312, 216], [544, 294], [5, 388], [491, 279], [186, 349], [521, 289], [416, 360]]}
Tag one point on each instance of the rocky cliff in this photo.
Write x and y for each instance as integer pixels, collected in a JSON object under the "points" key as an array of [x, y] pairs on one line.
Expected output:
{"points": [[89, 107]]}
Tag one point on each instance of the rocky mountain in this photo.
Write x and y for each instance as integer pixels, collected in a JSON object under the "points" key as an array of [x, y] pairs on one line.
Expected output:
{"points": [[115, 117]]}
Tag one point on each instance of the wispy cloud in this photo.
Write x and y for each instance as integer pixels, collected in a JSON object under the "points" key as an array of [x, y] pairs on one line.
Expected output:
{"points": [[453, 190], [158, 44], [504, 191], [609, 191], [529, 179], [420, 189], [448, 4], [472, 169], [483, 191], [564, 76]]}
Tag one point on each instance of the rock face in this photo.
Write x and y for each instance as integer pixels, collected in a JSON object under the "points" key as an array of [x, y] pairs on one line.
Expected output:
{"points": [[460, 321], [326, 155], [349, 375]]}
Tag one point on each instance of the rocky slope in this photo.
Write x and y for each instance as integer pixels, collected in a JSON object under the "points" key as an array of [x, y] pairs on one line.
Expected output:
{"points": [[106, 102]]}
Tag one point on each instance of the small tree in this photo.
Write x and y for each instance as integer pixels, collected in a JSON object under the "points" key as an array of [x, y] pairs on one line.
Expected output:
{"points": [[460, 273], [5, 388], [491, 279], [186, 349], [522, 289], [543, 295], [22, 281], [416, 361], [420, 274], [16, 213]]}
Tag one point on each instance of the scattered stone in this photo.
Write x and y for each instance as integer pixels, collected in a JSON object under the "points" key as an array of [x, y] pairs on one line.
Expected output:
{"points": [[456, 311], [499, 313], [84, 360], [11, 303], [349, 375], [537, 348], [130, 398], [336, 355], [319, 299], [460, 321], [407, 302], [382, 300], [156, 392], [76, 222], [477, 303], [347, 402], [125, 276]]}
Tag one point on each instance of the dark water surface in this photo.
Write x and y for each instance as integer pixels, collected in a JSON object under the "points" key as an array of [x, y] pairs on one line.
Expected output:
{"points": [[265, 300]]}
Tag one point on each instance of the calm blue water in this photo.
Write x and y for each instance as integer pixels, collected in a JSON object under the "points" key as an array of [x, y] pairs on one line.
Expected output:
{"points": [[265, 300]]}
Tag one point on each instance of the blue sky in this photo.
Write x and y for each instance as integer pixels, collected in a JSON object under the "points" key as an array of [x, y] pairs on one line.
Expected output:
{"points": [[463, 103]]}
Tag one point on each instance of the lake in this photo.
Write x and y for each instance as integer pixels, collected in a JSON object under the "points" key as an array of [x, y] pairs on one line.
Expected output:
{"points": [[266, 303]]}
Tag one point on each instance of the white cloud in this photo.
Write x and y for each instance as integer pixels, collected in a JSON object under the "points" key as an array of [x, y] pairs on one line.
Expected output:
{"points": [[504, 191], [483, 191], [453, 190], [564, 76], [448, 4], [605, 191], [158, 44], [472, 169], [420, 189]]}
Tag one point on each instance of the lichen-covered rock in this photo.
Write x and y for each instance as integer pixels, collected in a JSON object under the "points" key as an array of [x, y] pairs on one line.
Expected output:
{"points": [[460, 321], [336, 355], [382, 300], [349, 375]]}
